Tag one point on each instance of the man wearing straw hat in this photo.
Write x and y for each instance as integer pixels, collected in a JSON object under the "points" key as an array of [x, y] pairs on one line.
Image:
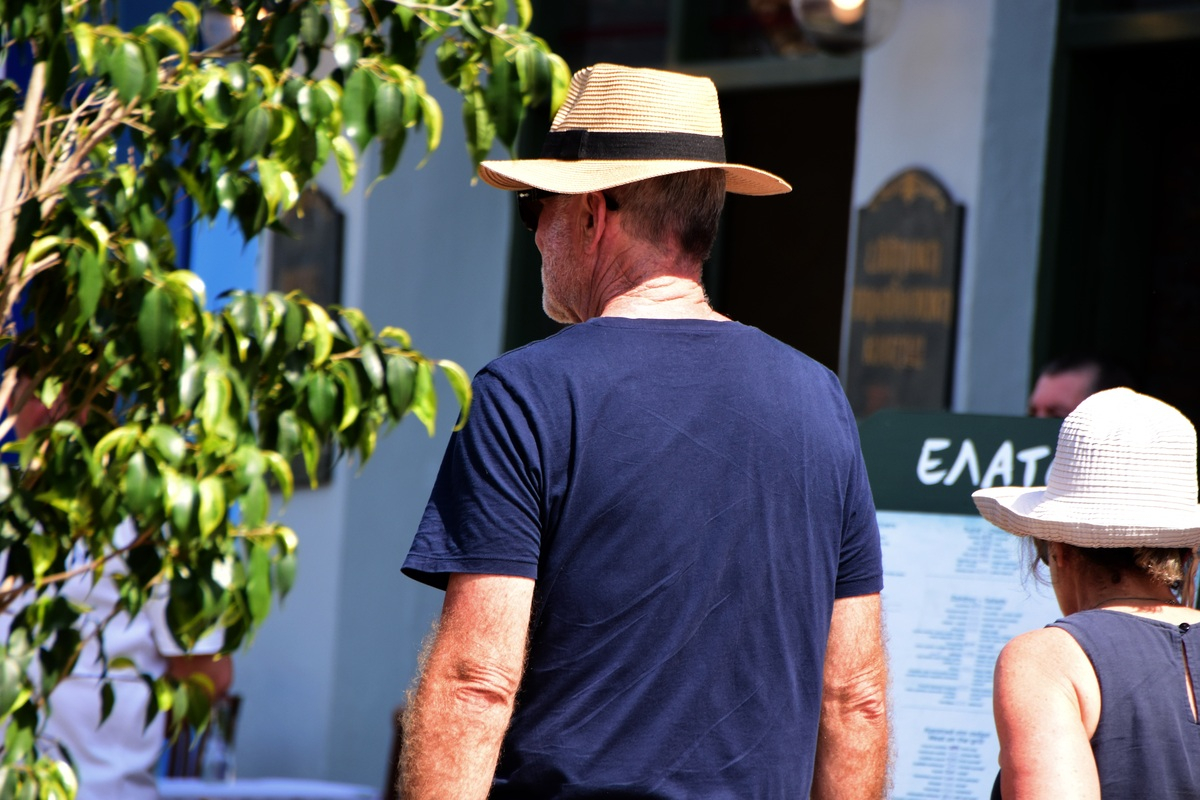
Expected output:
{"points": [[655, 533]]}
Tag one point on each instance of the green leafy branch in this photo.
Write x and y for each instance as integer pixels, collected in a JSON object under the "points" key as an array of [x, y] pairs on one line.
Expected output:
{"points": [[186, 422]]}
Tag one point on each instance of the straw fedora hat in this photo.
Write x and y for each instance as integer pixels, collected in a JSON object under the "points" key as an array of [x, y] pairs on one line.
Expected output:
{"points": [[1124, 475], [619, 125]]}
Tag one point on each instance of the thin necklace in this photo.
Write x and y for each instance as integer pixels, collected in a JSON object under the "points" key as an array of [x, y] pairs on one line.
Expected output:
{"points": [[1155, 600]]}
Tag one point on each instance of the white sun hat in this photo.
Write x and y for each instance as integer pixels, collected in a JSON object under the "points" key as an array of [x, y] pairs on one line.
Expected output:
{"points": [[620, 125], [1124, 475]]}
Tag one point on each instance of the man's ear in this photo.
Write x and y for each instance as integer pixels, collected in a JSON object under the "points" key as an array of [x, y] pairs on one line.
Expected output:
{"points": [[595, 219]]}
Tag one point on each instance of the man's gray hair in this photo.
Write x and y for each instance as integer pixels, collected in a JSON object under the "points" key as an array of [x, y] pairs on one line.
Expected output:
{"points": [[685, 206]]}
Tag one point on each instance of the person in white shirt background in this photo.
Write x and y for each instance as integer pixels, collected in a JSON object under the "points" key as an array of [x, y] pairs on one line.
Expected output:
{"points": [[114, 759]]}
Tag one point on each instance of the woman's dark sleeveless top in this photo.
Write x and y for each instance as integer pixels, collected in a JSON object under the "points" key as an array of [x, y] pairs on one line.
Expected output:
{"points": [[1147, 743]]}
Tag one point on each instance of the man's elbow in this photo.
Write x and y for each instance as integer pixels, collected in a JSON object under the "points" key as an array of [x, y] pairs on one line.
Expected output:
{"points": [[862, 697], [485, 686]]}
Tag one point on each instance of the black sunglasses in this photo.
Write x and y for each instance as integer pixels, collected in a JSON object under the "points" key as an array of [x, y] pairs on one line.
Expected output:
{"points": [[529, 206]]}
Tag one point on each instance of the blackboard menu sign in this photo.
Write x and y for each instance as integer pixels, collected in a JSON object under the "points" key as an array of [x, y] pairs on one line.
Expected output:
{"points": [[905, 297]]}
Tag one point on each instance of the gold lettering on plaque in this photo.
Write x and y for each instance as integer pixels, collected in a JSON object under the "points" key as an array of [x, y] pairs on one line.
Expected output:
{"points": [[899, 351]]}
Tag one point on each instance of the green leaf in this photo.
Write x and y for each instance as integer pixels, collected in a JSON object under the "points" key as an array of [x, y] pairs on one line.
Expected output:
{"points": [[139, 256], [346, 161], [431, 115], [128, 71], [481, 132], [170, 38], [341, 17], [42, 552], [314, 105], [217, 101], [188, 281], [310, 448], [534, 75], [450, 60], [164, 693], [38, 250], [182, 497], [313, 25], [282, 471], [238, 75], [189, 12], [401, 378], [285, 37], [156, 323], [499, 12], [346, 377], [150, 58], [85, 46], [471, 28], [18, 741], [91, 281], [288, 440], [121, 439], [321, 396], [346, 53], [503, 100], [285, 573], [460, 383], [214, 405], [229, 189], [179, 701], [255, 503], [389, 111], [372, 365], [403, 45], [258, 583], [190, 384], [13, 689], [168, 443], [524, 13], [107, 700], [561, 81], [424, 403], [278, 184], [316, 331], [357, 97], [143, 484], [398, 335], [254, 132], [390, 156], [212, 504]]}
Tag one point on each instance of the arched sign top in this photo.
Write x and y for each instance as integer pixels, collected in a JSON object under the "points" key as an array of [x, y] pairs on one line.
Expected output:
{"points": [[910, 186]]}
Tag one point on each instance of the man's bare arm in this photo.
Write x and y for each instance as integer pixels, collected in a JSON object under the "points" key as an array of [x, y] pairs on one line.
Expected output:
{"points": [[463, 698], [853, 751]]}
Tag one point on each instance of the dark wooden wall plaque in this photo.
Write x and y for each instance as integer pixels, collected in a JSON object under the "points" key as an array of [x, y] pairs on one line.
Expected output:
{"points": [[905, 297]]}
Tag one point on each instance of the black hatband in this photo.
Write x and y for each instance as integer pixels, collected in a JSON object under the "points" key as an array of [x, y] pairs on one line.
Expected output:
{"points": [[577, 145]]}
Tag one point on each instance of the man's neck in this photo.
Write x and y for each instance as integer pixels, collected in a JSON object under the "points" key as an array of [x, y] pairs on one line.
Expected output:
{"points": [[663, 297]]}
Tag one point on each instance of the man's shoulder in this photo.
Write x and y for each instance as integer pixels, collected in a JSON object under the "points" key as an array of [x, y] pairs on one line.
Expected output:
{"points": [[533, 358]]}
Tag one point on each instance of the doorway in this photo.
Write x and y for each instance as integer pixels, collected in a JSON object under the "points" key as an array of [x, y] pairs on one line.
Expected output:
{"points": [[1120, 272]]}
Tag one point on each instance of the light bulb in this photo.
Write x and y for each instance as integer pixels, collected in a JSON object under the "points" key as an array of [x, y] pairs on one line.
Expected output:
{"points": [[847, 12], [845, 26]]}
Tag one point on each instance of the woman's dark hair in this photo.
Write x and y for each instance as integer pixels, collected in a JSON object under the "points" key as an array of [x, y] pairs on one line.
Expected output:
{"points": [[1165, 565]]}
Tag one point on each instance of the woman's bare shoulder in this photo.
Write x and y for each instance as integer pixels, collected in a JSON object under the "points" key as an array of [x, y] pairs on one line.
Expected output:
{"points": [[1045, 672]]}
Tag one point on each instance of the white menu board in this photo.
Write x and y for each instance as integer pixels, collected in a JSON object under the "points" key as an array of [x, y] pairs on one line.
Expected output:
{"points": [[955, 591]]}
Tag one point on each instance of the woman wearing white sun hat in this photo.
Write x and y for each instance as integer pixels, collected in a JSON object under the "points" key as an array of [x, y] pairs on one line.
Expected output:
{"points": [[1102, 703]]}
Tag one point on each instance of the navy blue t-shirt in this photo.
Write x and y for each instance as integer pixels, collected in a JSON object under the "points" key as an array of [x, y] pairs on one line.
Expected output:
{"points": [[690, 497]]}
